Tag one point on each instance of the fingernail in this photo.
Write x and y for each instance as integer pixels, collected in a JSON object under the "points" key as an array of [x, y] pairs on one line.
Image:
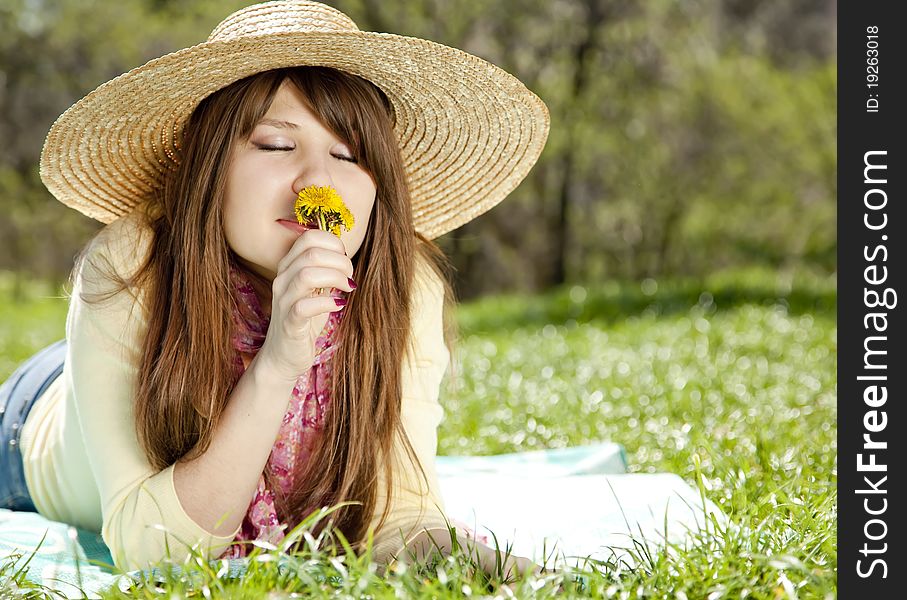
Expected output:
{"points": [[352, 283], [340, 301]]}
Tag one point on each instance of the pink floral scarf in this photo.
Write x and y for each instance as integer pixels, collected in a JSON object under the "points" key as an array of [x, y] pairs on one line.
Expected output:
{"points": [[302, 421]]}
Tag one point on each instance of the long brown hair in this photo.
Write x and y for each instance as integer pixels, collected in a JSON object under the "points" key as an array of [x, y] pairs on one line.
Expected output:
{"points": [[187, 370]]}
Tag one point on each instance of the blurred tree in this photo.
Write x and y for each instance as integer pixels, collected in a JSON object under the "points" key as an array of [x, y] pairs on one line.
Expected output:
{"points": [[51, 54], [788, 32], [685, 136]]}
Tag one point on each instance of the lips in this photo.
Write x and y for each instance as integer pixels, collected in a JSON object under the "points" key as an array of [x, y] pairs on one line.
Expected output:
{"points": [[295, 226]]}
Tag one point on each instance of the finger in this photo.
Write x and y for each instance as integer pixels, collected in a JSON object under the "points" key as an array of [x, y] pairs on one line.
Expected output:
{"points": [[309, 279], [315, 257], [323, 257], [521, 567], [302, 312], [313, 238]]}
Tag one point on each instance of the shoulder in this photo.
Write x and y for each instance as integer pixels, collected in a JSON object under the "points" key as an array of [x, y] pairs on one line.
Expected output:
{"points": [[120, 246], [107, 307], [118, 250], [427, 334], [428, 287]]}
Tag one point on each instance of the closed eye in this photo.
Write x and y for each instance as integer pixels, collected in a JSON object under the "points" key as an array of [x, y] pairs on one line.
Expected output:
{"points": [[267, 148]]}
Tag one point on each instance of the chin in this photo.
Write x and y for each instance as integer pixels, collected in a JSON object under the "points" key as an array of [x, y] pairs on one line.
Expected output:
{"points": [[257, 267]]}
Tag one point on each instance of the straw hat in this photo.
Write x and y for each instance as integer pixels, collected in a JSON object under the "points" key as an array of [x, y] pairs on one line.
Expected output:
{"points": [[468, 131]]}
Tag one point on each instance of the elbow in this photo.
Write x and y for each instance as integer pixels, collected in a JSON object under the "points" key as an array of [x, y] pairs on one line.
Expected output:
{"points": [[144, 550], [137, 542], [130, 548], [136, 547]]}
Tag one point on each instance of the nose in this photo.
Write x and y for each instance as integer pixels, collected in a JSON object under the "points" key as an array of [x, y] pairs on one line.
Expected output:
{"points": [[313, 171]]}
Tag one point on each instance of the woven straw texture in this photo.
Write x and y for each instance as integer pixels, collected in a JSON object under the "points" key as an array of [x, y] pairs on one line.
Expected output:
{"points": [[469, 132]]}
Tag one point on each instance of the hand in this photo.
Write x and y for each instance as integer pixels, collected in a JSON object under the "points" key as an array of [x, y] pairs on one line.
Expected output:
{"points": [[485, 557], [317, 259], [517, 567], [523, 567], [513, 568]]}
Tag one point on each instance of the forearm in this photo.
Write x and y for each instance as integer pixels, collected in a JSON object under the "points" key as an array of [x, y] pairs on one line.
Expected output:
{"points": [[439, 540], [215, 488]]}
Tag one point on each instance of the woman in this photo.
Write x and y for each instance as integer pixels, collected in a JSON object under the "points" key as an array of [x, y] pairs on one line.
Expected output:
{"points": [[206, 383]]}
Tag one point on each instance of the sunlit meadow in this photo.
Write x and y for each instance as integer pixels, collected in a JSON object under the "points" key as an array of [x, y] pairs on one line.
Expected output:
{"points": [[729, 383]]}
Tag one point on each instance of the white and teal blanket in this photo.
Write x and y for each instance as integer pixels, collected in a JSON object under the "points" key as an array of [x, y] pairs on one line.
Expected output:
{"points": [[570, 502]]}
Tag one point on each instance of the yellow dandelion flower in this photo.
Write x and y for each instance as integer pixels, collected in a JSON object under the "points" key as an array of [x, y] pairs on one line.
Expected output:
{"points": [[323, 206]]}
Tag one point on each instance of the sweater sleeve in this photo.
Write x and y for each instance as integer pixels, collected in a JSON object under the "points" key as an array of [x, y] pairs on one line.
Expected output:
{"points": [[105, 342], [415, 506]]}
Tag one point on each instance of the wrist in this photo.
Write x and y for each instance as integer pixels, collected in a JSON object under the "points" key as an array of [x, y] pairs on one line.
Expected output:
{"points": [[266, 374]]}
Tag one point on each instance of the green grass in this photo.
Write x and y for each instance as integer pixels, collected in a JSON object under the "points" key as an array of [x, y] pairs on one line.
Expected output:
{"points": [[26, 327], [730, 383]]}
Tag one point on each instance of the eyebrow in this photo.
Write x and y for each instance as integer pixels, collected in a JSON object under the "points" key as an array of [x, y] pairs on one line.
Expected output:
{"points": [[279, 124]]}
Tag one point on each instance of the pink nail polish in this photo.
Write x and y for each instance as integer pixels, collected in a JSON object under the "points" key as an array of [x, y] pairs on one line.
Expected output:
{"points": [[352, 283], [340, 301]]}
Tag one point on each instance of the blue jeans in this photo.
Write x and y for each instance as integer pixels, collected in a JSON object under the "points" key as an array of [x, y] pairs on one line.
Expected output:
{"points": [[17, 396]]}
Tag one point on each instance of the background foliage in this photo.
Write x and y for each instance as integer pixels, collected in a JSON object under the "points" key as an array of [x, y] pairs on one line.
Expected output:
{"points": [[686, 136], [677, 235]]}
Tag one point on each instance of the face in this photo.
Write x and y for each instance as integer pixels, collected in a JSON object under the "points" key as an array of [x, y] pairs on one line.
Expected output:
{"points": [[289, 149]]}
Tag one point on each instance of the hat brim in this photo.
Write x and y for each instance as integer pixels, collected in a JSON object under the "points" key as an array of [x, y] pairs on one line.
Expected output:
{"points": [[469, 132]]}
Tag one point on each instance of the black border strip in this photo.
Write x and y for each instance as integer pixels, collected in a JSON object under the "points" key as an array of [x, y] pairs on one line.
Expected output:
{"points": [[871, 273]]}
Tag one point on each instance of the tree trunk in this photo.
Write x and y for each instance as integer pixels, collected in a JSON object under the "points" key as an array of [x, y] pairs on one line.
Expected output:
{"points": [[595, 14], [667, 233]]}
